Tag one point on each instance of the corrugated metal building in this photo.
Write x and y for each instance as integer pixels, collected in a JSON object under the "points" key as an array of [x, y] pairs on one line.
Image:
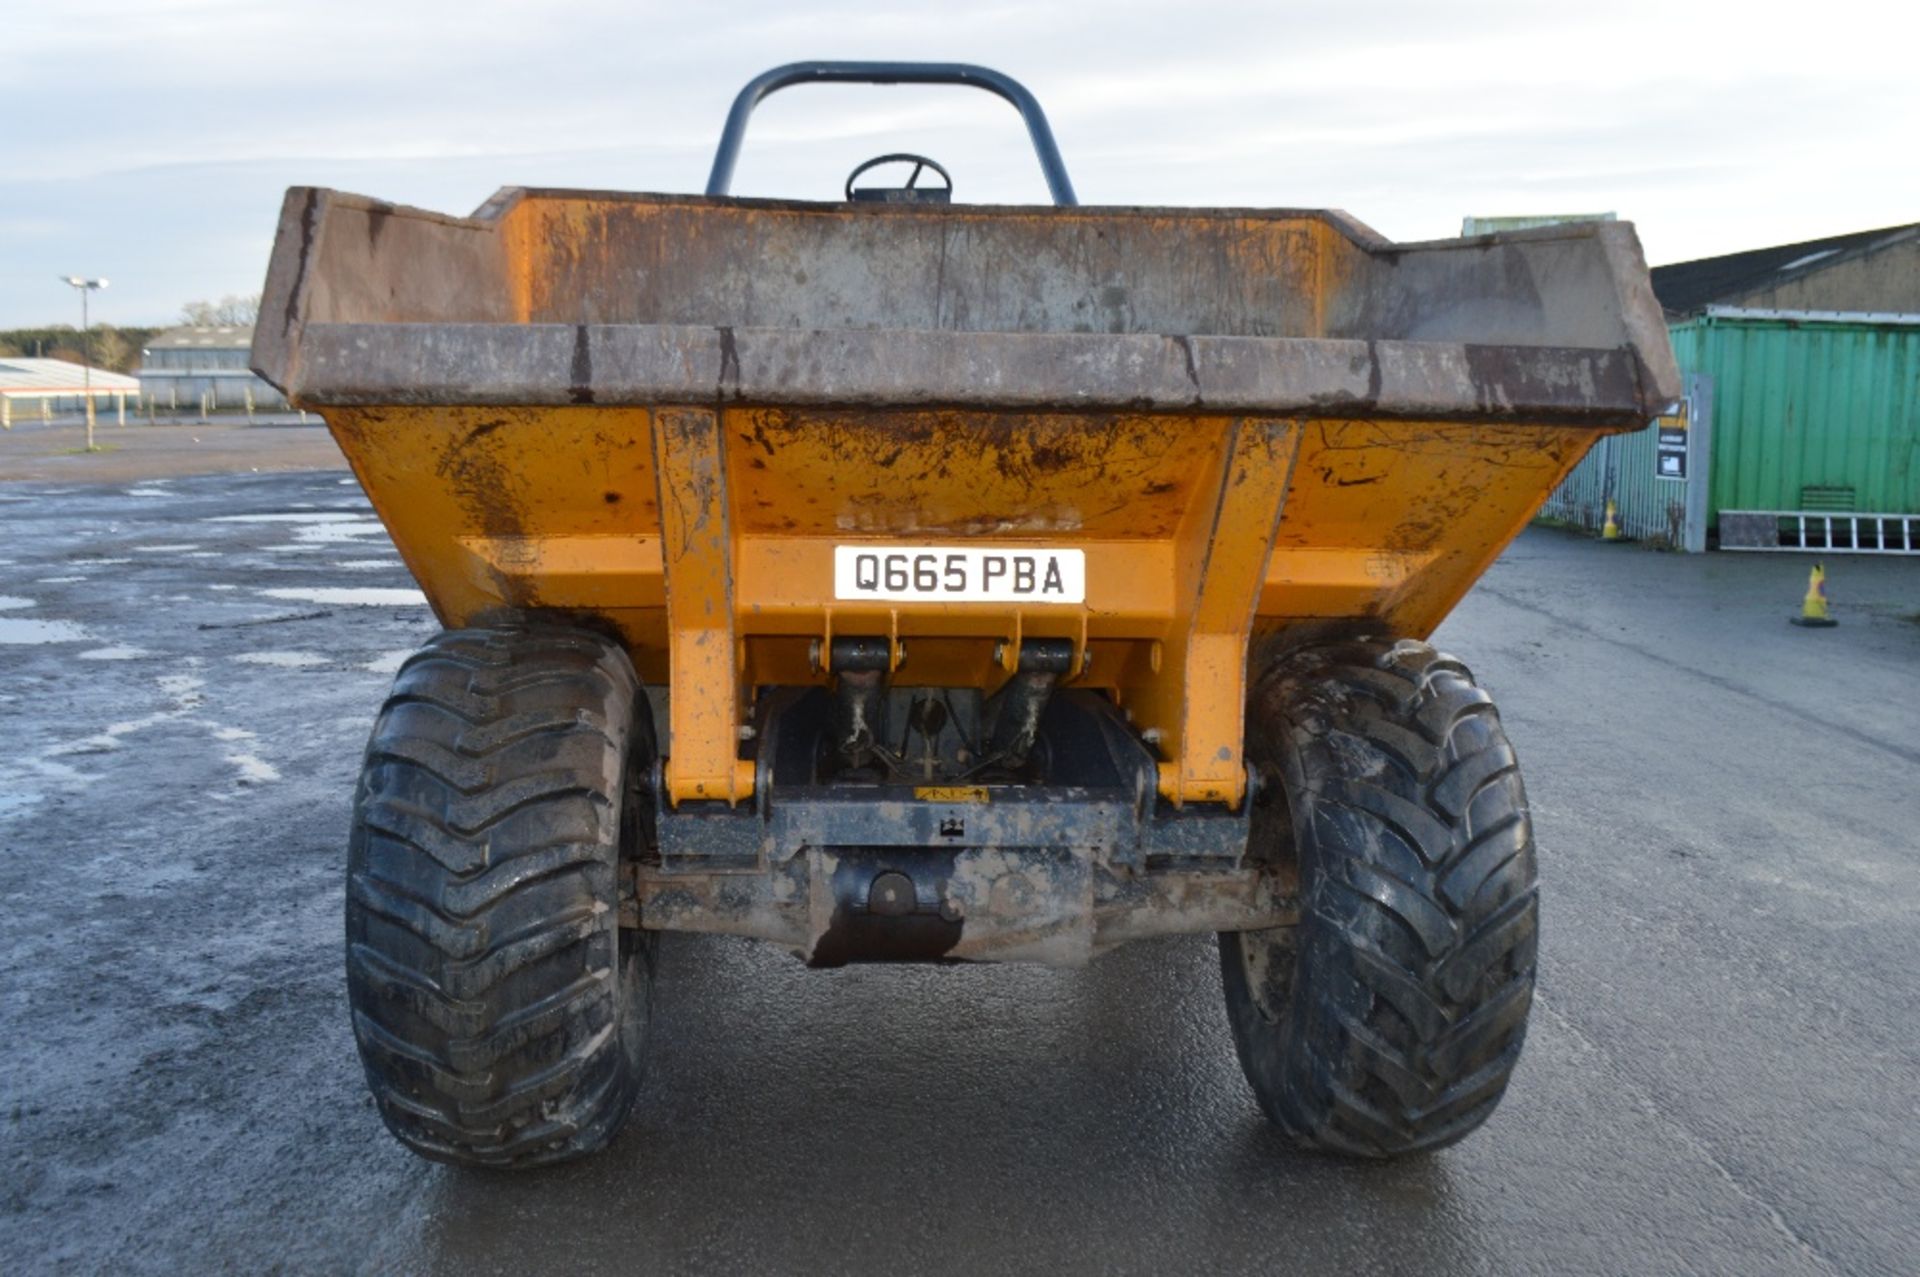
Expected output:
{"points": [[1811, 353], [188, 369]]}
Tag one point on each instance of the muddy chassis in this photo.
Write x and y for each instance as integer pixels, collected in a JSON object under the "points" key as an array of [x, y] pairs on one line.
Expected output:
{"points": [[892, 822]]}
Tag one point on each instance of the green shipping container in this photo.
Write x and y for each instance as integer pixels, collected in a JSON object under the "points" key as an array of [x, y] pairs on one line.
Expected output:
{"points": [[1810, 412]]}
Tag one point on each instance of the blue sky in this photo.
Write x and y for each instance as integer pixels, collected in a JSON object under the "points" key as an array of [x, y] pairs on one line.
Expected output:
{"points": [[150, 140]]}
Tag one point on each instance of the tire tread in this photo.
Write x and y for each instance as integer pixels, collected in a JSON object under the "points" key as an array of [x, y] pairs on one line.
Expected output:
{"points": [[484, 952], [1406, 1007]]}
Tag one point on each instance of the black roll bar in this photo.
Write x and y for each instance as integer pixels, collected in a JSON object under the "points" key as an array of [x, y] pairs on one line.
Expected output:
{"points": [[978, 77]]}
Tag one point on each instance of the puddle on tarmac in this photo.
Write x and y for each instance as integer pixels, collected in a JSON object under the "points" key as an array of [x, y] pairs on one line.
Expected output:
{"points": [[389, 662], [343, 596], [115, 654], [282, 660], [333, 533], [310, 516], [15, 631], [253, 768]]}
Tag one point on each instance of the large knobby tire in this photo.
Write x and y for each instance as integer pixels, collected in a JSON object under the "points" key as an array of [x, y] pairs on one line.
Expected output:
{"points": [[499, 1006], [1390, 1019]]}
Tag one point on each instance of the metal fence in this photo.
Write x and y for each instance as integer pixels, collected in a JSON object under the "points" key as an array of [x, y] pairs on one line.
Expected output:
{"points": [[208, 389], [1656, 478]]}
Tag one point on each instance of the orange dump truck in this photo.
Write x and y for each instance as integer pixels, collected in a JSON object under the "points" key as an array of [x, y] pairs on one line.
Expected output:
{"points": [[898, 579]]}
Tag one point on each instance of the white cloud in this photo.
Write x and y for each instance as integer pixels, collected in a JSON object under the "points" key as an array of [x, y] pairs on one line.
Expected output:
{"points": [[151, 138]]}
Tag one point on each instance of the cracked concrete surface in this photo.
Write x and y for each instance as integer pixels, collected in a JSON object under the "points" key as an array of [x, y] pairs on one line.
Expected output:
{"points": [[1720, 1077]]}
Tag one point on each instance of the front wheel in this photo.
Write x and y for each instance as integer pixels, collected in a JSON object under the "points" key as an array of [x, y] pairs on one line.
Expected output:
{"points": [[1388, 1021]]}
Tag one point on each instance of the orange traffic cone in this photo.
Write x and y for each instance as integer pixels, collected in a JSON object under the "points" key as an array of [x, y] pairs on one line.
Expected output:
{"points": [[1813, 608]]}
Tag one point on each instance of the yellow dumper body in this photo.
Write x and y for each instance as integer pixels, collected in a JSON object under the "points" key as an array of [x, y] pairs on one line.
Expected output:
{"points": [[896, 580], [667, 412]]}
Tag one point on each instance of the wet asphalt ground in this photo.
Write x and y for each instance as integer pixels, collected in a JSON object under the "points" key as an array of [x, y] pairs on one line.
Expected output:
{"points": [[1723, 1074]]}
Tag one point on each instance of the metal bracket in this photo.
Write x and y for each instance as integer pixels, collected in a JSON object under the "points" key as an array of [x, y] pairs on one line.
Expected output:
{"points": [[1196, 717], [696, 553]]}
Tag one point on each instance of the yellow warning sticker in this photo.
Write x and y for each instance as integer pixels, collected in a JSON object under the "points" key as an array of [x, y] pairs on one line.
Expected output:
{"points": [[951, 793]]}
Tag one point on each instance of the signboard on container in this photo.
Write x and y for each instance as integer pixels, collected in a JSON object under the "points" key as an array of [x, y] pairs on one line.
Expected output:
{"points": [[1670, 443]]}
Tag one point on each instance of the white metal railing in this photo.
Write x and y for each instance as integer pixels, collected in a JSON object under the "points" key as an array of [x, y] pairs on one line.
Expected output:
{"points": [[1827, 531]]}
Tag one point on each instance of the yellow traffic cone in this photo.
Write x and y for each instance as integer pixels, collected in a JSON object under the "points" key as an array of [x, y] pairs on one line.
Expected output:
{"points": [[1610, 531], [1813, 608]]}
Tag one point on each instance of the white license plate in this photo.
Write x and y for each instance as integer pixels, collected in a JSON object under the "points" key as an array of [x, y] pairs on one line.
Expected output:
{"points": [[959, 574]]}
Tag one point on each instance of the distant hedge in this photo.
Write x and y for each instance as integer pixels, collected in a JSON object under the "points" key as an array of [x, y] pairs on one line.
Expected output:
{"points": [[115, 349]]}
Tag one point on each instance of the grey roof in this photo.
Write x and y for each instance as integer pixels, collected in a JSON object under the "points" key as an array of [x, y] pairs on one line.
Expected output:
{"points": [[1686, 287], [225, 337]]}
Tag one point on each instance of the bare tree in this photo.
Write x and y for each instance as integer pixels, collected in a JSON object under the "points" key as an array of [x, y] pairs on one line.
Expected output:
{"points": [[110, 349], [243, 310], [232, 310]]}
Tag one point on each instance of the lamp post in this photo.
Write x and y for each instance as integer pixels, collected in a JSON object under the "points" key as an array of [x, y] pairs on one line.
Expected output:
{"points": [[86, 343]]}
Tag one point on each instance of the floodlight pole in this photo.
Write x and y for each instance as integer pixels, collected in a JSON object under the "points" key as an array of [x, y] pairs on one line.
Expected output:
{"points": [[86, 363], [86, 286]]}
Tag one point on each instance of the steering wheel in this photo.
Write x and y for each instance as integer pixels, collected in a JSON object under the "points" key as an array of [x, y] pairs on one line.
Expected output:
{"points": [[911, 192]]}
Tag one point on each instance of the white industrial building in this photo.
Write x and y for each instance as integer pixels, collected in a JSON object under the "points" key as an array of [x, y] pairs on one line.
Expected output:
{"points": [[200, 369], [42, 387]]}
